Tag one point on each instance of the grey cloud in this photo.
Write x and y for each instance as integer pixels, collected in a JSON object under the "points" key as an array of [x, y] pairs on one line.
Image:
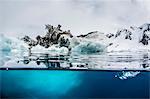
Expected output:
{"points": [[80, 16]]}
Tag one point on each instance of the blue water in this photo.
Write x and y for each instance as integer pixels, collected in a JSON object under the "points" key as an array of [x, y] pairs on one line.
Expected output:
{"points": [[41, 84]]}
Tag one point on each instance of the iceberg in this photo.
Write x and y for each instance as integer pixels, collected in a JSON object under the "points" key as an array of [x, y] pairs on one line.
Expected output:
{"points": [[11, 48], [5, 44], [12, 45], [89, 48]]}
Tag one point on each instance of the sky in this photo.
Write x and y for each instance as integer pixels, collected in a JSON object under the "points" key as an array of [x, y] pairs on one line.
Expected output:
{"points": [[28, 17]]}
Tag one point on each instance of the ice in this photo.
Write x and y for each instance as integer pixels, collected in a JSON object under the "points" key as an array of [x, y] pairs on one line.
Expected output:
{"points": [[126, 75], [12, 45], [5, 43], [89, 48], [51, 50], [11, 48]]}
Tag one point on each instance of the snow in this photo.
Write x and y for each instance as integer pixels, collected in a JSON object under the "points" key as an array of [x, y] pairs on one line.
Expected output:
{"points": [[127, 45], [122, 44], [51, 50]]}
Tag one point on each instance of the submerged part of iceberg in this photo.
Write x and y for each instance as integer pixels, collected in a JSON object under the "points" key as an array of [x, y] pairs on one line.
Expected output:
{"points": [[89, 48], [126, 75]]}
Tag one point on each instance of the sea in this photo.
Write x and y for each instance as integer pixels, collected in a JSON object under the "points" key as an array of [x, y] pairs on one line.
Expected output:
{"points": [[76, 83], [62, 84]]}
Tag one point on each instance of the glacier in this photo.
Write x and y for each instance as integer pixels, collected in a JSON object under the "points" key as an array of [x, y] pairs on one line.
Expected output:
{"points": [[11, 48], [12, 45]]}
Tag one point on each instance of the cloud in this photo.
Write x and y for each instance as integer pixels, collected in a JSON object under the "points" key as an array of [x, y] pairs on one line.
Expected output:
{"points": [[80, 16]]}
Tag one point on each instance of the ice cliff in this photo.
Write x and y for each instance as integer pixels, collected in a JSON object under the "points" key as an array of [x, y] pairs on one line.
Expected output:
{"points": [[12, 45], [11, 48]]}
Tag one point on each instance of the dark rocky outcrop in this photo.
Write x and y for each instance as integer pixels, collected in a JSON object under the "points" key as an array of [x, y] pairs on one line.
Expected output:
{"points": [[145, 37], [54, 35], [126, 32]]}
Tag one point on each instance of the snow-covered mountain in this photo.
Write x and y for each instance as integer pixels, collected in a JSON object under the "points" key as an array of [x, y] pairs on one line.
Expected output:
{"points": [[131, 39], [92, 35]]}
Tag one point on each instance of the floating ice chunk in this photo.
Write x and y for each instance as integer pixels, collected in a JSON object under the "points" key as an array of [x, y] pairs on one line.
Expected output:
{"points": [[126, 75]]}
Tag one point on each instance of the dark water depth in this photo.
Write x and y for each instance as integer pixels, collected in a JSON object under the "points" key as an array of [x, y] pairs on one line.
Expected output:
{"points": [[50, 84]]}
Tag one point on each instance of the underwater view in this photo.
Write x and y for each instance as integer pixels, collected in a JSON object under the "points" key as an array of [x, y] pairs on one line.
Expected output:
{"points": [[37, 84]]}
